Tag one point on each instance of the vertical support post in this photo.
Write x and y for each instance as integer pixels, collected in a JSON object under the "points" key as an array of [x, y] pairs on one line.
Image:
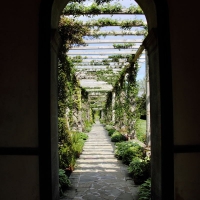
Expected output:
{"points": [[113, 105], [148, 125], [80, 124], [102, 114]]}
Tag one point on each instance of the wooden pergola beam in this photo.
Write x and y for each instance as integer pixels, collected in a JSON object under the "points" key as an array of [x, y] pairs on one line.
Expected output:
{"points": [[99, 41], [100, 52], [123, 12], [99, 67], [94, 57], [101, 64], [138, 53], [114, 33], [100, 47]]}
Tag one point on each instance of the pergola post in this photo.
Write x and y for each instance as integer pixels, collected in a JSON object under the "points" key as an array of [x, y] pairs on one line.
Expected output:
{"points": [[148, 129], [113, 105]]}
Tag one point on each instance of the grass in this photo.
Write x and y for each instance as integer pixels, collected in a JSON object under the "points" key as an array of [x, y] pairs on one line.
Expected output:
{"points": [[141, 133]]}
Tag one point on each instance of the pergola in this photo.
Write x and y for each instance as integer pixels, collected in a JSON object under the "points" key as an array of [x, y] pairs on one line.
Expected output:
{"points": [[96, 51]]}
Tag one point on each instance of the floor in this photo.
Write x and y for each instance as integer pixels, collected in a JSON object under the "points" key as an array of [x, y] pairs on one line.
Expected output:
{"points": [[98, 174]]}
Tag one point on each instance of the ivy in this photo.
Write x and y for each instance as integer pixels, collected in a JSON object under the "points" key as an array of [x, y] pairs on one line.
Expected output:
{"points": [[97, 1], [107, 75], [71, 32], [77, 59], [116, 58], [123, 46], [133, 9], [77, 9], [124, 24], [97, 34]]}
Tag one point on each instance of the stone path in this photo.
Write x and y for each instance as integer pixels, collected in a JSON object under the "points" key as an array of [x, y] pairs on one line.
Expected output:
{"points": [[98, 174]]}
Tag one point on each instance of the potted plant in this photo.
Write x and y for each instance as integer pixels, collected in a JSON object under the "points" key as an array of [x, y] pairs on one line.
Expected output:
{"points": [[64, 181]]}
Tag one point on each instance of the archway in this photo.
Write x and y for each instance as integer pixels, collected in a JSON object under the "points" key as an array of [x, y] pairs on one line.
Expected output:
{"points": [[158, 47]]}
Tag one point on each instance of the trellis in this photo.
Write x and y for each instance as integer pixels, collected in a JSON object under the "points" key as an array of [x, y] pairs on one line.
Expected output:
{"points": [[92, 57]]}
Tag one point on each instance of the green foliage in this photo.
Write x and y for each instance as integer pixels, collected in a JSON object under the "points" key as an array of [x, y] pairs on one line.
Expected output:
{"points": [[70, 148], [77, 59], [111, 131], [124, 24], [64, 182], [69, 92], [115, 58], [88, 127], [108, 127], [83, 136], [107, 75], [141, 101], [130, 153], [126, 150], [72, 31], [63, 134], [135, 9], [66, 84], [75, 8], [123, 46], [78, 140], [66, 156], [141, 130], [139, 169], [117, 137], [145, 190]]}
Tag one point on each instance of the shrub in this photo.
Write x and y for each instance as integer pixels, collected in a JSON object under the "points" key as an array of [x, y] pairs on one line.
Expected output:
{"points": [[108, 127], [111, 131], [117, 137], [66, 156], [131, 152], [83, 136], [78, 139], [70, 150], [87, 126], [64, 181], [139, 169], [145, 190], [125, 151]]}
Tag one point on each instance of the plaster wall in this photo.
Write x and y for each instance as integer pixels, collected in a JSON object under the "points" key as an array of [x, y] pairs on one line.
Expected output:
{"points": [[184, 33], [18, 76], [186, 176], [19, 178], [185, 68], [19, 174]]}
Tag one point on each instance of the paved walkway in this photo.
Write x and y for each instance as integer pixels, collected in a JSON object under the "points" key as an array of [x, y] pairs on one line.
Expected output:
{"points": [[98, 174]]}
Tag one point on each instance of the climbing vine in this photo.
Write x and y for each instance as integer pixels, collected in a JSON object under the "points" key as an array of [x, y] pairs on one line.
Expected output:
{"points": [[97, 33], [123, 46], [76, 9], [124, 24]]}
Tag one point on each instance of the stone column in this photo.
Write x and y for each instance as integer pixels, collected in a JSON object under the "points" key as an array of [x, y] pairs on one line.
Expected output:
{"points": [[102, 114], [148, 131], [113, 105]]}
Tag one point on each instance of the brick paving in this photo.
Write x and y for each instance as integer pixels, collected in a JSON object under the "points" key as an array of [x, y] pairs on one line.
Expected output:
{"points": [[98, 174]]}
